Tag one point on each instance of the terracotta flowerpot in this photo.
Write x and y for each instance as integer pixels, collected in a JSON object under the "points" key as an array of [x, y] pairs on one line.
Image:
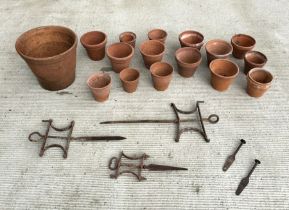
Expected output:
{"points": [[188, 60], [158, 34], [217, 48], [162, 74], [152, 51], [120, 55], [129, 78], [223, 73], [100, 84], [128, 37], [242, 43], [258, 82], [94, 42], [254, 59], [50, 52], [191, 39]]}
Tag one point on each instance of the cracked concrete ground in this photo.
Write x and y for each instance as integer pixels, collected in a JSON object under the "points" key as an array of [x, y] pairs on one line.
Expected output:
{"points": [[82, 181]]}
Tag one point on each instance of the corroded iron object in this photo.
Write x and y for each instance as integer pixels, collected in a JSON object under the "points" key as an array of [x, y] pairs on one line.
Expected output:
{"points": [[231, 158], [213, 118], [36, 137], [115, 164], [245, 181]]}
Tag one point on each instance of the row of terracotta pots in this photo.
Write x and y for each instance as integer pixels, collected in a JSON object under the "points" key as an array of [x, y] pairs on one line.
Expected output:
{"points": [[50, 52], [100, 83]]}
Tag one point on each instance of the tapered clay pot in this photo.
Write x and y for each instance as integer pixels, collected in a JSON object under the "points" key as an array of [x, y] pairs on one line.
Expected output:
{"points": [[158, 34], [188, 60], [217, 48], [223, 73], [128, 37], [162, 74], [254, 59], [120, 55], [100, 84], [129, 78], [50, 52], [258, 82], [152, 51], [191, 39], [242, 43], [94, 42]]}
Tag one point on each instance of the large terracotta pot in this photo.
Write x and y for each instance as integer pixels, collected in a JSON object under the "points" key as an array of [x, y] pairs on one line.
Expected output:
{"points": [[50, 52]]}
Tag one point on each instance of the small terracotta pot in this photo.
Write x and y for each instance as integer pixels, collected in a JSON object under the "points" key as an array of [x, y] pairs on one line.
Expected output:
{"points": [[191, 39], [242, 43], [129, 78], [50, 52], [152, 51], [254, 59], [94, 42], [188, 60], [217, 48], [223, 73], [162, 74], [100, 84], [128, 37], [158, 34], [120, 55], [258, 82]]}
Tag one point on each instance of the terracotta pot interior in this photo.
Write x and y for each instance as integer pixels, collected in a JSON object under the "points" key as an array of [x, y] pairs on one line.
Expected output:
{"points": [[45, 42], [188, 55], [99, 81], [129, 75], [93, 38], [255, 57], [119, 50], [218, 47], [223, 68], [261, 76], [192, 37], [161, 69], [243, 40], [127, 37], [157, 34], [152, 48]]}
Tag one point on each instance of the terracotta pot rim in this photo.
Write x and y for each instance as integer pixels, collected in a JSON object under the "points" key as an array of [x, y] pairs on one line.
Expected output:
{"points": [[152, 41], [128, 81], [256, 82], [187, 49], [221, 76], [93, 45], [128, 32], [117, 59], [192, 32], [241, 46], [219, 40], [98, 73], [157, 29], [171, 68], [256, 52], [55, 57]]}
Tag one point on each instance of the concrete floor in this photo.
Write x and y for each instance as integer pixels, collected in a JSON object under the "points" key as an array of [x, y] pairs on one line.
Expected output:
{"points": [[82, 181]]}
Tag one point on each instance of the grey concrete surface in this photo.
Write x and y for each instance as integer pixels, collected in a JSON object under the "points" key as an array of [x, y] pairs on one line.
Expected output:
{"points": [[82, 181]]}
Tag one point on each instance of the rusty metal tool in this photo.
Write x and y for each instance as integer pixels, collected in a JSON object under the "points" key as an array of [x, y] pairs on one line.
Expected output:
{"points": [[213, 118], [116, 163], [36, 136], [231, 158], [245, 181]]}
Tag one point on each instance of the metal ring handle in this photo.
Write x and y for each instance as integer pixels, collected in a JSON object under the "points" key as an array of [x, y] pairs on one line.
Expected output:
{"points": [[213, 118], [113, 160], [35, 139]]}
